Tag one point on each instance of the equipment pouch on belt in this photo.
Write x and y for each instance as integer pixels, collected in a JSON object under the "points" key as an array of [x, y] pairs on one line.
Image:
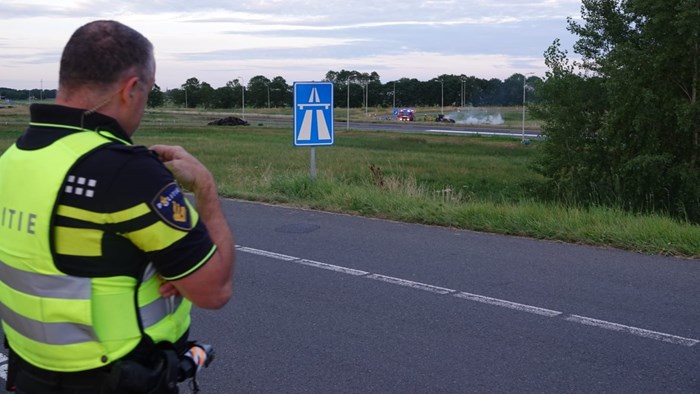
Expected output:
{"points": [[158, 376], [163, 372]]}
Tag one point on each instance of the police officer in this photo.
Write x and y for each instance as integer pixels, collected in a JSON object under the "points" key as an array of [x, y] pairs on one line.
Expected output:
{"points": [[101, 254]]}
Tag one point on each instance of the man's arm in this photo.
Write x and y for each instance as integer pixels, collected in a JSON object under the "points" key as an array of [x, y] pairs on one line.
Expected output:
{"points": [[211, 285]]}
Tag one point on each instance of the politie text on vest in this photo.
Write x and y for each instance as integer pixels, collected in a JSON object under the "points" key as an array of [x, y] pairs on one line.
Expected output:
{"points": [[17, 220]]}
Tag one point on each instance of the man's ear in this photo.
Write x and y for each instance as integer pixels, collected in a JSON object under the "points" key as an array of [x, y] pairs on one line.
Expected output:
{"points": [[130, 88]]}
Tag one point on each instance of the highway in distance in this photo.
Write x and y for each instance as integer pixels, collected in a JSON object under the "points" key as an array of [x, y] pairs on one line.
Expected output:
{"points": [[412, 127]]}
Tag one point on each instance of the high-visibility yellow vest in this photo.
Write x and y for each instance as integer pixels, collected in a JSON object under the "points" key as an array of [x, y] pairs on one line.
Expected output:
{"points": [[60, 322]]}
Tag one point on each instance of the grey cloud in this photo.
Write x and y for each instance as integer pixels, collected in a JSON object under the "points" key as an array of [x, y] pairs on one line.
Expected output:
{"points": [[36, 58], [58, 9], [392, 42]]}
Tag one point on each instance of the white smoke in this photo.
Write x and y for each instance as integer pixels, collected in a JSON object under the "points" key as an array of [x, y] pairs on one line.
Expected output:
{"points": [[476, 117]]}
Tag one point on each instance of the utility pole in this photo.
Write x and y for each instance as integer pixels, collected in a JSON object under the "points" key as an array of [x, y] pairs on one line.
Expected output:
{"points": [[347, 117], [240, 79], [524, 86]]}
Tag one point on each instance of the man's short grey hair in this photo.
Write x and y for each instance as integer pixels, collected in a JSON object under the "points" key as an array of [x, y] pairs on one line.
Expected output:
{"points": [[101, 52]]}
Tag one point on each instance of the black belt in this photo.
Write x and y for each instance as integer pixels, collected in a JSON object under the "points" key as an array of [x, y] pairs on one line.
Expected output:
{"points": [[92, 377], [34, 379]]}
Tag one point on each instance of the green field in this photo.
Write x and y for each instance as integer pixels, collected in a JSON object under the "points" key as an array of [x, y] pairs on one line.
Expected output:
{"points": [[475, 183]]}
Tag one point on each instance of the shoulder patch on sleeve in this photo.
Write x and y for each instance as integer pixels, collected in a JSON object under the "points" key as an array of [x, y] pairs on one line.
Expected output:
{"points": [[170, 205]]}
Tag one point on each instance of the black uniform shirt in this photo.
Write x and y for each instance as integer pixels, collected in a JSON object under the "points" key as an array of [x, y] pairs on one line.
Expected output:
{"points": [[119, 207]]}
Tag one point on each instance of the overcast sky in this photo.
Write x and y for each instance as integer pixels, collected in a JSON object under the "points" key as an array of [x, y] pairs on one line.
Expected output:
{"points": [[218, 41]]}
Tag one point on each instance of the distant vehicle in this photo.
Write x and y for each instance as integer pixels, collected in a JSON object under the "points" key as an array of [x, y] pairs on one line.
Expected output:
{"points": [[442, 118], [228, 121], [406, 115]]}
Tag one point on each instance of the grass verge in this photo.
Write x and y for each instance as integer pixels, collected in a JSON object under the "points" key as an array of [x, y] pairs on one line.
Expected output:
{"points": [[474, 183]]}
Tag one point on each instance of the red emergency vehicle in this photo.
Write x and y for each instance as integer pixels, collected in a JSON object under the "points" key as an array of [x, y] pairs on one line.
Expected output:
{"points": [[406, 115]]}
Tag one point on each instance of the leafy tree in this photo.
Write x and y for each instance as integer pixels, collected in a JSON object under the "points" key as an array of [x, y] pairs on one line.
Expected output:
{"points": [[281, 94], [258, 92], [156, 97], [409, 92], [374, 89], [206, 95], [191, 89], [511, 91], [575, 157], [472, 89], [176, 97], [434, 89], [364, 88], [636, 140], [490, 92], [228, 96]]}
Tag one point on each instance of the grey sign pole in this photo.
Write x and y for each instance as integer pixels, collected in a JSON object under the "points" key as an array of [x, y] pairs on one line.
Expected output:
{"points": [[313, 162]]}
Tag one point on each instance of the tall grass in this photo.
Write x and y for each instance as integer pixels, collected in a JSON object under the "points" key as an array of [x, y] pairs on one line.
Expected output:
{"points": [[475, 183], [482, 184]]}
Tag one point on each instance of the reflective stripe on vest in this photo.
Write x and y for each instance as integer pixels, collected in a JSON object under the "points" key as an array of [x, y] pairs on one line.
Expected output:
{"points": [[163, 319], [152, 313], [72, 288], [46, 286], [49, 333]]}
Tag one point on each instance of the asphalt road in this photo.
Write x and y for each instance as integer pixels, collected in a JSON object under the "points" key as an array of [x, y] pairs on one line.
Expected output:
{"points": [[330, 303], [411, 127], [327, 303], [400, 127]]}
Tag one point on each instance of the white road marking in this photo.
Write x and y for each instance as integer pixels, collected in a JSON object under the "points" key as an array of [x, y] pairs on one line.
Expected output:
{"points": [[266, 253], [411, 284], [508, 304], [331, 267], [658, 336], [3, 367], [640, 332]]}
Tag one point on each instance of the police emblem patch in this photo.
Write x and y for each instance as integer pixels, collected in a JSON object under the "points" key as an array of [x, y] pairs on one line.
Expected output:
{"points": [[170, 205]]}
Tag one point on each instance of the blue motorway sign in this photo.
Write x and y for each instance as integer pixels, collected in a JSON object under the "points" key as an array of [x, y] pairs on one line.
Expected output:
{"points": [[313, 113]]}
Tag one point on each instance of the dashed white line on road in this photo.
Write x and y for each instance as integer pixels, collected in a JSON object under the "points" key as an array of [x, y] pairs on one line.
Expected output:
{"points": [[640, 332], [331, 267], [411, 284], [508, 304], [3, 366], [659, 336]]}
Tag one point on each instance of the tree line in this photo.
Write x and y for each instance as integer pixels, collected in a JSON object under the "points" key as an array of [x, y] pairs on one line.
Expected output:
{"points": [[27, 94], [355, 89], [365, 90], [362, 89]]}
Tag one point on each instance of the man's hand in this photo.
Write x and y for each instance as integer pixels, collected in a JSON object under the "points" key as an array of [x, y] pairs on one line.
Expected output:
{"points": [[167, 290], [189, 171]]}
